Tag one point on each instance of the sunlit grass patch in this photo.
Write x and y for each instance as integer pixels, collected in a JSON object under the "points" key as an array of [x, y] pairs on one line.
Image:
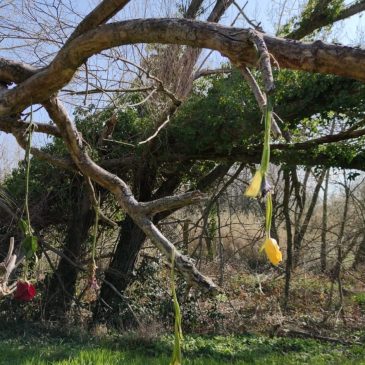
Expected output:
{"points": [[197, 350]]}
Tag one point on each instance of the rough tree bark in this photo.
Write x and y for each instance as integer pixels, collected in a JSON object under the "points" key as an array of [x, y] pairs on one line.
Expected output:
{"points": [[132, 238], [130, 242], [62, 284]]}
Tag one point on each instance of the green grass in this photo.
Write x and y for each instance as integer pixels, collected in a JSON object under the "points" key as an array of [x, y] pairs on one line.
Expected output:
{"points": [[129, 350]]}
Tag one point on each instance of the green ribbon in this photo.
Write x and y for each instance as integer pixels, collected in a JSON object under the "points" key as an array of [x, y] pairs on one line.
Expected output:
{"points": [[265, 161], [176, 354]]}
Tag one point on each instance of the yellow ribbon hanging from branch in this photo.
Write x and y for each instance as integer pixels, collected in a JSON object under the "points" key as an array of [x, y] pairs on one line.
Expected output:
{"points": [[259, 185]]}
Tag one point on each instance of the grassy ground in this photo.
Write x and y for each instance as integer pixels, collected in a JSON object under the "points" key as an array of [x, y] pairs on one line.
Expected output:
{"points": [[27, 349]]}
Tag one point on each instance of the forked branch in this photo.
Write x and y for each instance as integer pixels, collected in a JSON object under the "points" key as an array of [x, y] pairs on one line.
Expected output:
{"points": [[140, 212]]}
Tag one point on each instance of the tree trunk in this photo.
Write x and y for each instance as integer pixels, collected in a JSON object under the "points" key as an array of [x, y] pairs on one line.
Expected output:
{"points": [[324, 225], [62, 285], [360, 254], [120, 271], [131, 239], [300, 233], [130, 242], [336, 274], [289, 241]]}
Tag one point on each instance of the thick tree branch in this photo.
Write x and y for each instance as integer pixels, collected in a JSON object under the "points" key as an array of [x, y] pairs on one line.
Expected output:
{"points": [[219, 9], [100, 15], [172, 202], [123, 195], [102, 91], [353, 9], [209, 72], [233, 43], [321, 17], [193, 9], [8, 125], [290, 158], [331, 138], [14, 71]]}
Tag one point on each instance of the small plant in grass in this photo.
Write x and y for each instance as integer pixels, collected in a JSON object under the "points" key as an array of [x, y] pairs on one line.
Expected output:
{"points": [[360, 300]]}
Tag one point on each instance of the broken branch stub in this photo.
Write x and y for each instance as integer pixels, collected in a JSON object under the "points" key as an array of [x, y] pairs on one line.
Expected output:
{"points": [[6, 268]]}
